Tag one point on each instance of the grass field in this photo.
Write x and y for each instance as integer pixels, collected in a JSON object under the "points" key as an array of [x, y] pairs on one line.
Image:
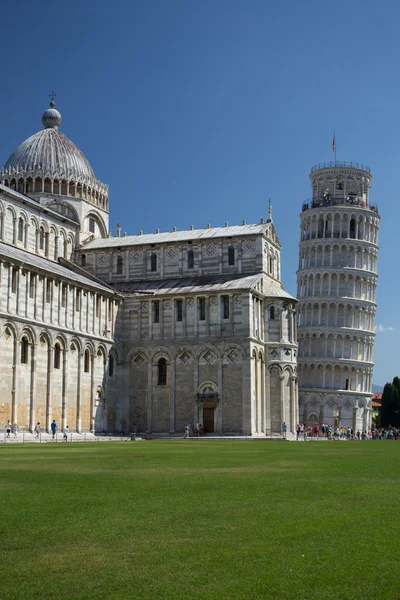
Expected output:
{"points": [[200, 519]]}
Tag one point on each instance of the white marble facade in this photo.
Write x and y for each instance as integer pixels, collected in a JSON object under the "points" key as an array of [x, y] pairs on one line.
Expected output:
{"points": [[337, 280], [143, 332]]}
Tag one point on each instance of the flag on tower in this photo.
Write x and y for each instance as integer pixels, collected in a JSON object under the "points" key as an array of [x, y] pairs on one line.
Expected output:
{"points": [[334, 142]]}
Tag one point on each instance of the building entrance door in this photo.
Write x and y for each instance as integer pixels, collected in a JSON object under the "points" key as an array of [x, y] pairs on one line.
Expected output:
{"points": [[208, 420]]}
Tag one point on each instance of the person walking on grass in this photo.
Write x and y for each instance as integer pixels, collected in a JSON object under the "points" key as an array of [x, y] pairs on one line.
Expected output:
{"points": [[37, 431], [8, 428], [53, 428], [15, 429], [65, 433], [284, 428]]}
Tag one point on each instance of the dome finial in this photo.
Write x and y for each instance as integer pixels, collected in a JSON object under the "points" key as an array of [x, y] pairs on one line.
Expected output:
{"points": [[51, 117]]}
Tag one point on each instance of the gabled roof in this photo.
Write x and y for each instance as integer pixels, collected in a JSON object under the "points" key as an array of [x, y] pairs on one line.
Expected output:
{"points": [[201, 285], [180, 236], [23, 257]]}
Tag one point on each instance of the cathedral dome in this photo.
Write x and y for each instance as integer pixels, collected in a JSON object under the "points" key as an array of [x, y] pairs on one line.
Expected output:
{"points": [[51, 152]]}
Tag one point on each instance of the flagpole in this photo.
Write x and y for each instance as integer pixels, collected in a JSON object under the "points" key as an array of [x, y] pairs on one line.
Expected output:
{"points": [[334, 133]]}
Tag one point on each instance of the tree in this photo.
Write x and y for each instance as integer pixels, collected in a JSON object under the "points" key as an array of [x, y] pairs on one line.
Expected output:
{"points": [[389, 398], [396, 402]]}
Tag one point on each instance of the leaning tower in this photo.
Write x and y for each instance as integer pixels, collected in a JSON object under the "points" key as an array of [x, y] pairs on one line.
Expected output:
{"points": [[336, 287]]}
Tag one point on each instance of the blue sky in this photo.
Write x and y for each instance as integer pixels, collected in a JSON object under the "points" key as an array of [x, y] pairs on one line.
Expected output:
{"points": [[197, 112]]}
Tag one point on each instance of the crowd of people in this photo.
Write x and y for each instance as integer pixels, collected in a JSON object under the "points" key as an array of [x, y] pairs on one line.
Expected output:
{"points": [[193, 432], [10, 428], [303, 432]]}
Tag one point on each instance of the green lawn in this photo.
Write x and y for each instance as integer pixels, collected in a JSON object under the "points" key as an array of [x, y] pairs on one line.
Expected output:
{"points": [[200, 519]]}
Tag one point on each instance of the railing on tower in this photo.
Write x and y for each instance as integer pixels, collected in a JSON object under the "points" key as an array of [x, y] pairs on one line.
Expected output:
{"points": [[342, 163], [347, 201]]}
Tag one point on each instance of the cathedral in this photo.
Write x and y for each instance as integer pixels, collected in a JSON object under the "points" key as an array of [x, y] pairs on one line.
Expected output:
{"points": [[142, 333]]}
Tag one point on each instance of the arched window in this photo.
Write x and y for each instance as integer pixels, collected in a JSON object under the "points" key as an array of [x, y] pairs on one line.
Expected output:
{"points": [[20, 229], [111, 365], [87, 361], [120, 265], [272, 313], [42, 236], [24, 350], [57, 356], [190, 259], [153, 262], [162, 371], [231, 255], [271, 265], [353, 229]]}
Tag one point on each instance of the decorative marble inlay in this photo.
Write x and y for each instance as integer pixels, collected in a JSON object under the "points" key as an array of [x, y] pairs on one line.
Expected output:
{"points": [[103, 258], [211, 249], [172, 252], [139, 359], [237, 300], [208, 357], [233, 355], [184, 357], [248, 246], [137, 256], [144, 306], [190, 302]]}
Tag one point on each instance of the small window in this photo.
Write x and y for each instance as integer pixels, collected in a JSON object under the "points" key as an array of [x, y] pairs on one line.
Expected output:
{"points": [[64, 295], [162, 371], [231, 255], [225, 307], [14, 279], [87, 361], [42, 236], [190, 259], [20, 229], [179, 310], [272, 313], [92, 225], [347, 384], [271, 265], [202, 309], [156, 311], [153, 262], [111, 366], [32, 283], [83, 260], [98, 305], [78, 300], [57, 356], [49, 287], [24, 350], [110, 308], [120, 265]]}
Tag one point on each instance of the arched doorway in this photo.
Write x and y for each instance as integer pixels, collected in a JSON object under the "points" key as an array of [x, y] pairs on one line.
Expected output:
{"points": [[208, 403]]}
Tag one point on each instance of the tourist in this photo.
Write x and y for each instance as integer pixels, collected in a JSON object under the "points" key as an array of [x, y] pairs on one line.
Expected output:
{"points": [[284, 430], [8, 428], [53, 428], [304, 432], [15, 429], [297, 432], [37, 431], [65, 433]]}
